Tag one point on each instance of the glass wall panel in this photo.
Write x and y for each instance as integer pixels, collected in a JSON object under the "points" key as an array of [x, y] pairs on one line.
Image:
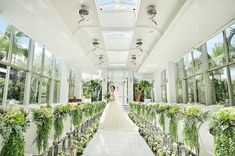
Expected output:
{"points": [[219, 86], [57, 68], [71, 83], [47, 63], [20, 49], [200, 89], [5, 30], [56, 92], [197, 58], [3, 71], [34, 89], [37, 60], [16, 86], [190, 90], [232, 72], [188, 64], [230, 35], [164, 93], [215, 51], [45, 90]]}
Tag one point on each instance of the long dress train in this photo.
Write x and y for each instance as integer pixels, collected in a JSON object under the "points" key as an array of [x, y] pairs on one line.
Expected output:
{"points": [[117, 135]]}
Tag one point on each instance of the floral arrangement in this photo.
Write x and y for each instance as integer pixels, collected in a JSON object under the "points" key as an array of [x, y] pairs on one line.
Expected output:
{"points": [[192, 116], [76, 114], [222, 127], [60, 112], [13, 124], [160, 109], [173, 112], [43, 118]]}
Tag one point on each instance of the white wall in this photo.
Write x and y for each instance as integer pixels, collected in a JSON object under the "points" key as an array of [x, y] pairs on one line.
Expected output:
{"points": [[157, 87], [64, 87], [171, 90]]}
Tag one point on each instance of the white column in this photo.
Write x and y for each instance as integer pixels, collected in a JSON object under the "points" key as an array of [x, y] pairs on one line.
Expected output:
{"points": [[171, 90], [157, 87], [64, 86], [104, 83], [78, 84], [130, 86]]}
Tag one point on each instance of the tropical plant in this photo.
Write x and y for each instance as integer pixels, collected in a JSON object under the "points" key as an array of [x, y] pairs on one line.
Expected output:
{"points": [[141, 87], [13, 124], [192, 116], [43, 118], [222, 128], [92, 89], [173, 112], [60, 113]]}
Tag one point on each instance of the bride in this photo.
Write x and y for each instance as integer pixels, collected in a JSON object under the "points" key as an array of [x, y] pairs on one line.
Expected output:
{"points": [[114, 118]]}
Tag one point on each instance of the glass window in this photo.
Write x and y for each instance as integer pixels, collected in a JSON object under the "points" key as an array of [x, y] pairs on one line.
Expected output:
{"points": [[219, 86], [37, 60], [34, 89], [230, 35], [5, 30], [3, 71], [200, 89], [71, 83], [215, 51], [56, 92], [21, 49], [57, 69], [112, 5], [48, 63], [232, 72], [16, 86], [190, 90], [45, 90], [188, 64], [197, 57]]}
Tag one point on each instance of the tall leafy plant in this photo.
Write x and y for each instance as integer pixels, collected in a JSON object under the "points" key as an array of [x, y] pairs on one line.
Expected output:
{"points": [[173, 112], [60, 113], [13, 124], [43, 118], [141, 87], [222, 128], [192, 116]]}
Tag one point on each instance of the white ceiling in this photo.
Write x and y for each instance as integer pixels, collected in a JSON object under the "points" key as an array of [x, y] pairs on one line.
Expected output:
{"points": [[181, 24]]}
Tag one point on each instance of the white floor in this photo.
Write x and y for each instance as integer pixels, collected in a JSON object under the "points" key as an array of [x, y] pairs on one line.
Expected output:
{"points": [[113, 143]]}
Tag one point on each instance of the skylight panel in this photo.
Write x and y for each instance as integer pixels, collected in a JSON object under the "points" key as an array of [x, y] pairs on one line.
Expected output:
{"points": [[115, 5]]}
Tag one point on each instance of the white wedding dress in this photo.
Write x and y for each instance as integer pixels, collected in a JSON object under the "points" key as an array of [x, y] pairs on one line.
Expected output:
{"points": [[117, 135]]}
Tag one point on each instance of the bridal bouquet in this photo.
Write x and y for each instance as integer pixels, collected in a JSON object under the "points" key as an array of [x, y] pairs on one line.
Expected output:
{"points": [[107, 96]]}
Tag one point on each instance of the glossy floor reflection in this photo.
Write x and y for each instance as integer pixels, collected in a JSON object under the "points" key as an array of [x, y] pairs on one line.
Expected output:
{"points": [[113, 143]]}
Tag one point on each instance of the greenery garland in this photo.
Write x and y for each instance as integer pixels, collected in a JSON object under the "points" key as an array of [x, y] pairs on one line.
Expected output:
{"points": [[222, 128], [60, 113], [43, 119], [193, 115], [161, 108], [76, 114], [173, 112], [13, 124]]}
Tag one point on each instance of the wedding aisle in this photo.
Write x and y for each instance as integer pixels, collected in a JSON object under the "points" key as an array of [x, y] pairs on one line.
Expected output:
{"points": [[113, 143]]}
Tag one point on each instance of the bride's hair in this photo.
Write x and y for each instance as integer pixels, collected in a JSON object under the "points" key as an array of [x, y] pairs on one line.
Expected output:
{"points": [[112, 86]]}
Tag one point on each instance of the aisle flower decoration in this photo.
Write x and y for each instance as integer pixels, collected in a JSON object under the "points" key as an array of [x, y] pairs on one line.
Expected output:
{"points": [[192, 116], [222, 127], [43, 118], [173, 112], [13, 124], [76, 115], [161, 108], [60, 112]]}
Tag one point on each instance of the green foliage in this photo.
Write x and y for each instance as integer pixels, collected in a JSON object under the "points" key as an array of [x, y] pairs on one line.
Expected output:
{"points": [[193, 115], [173, 112], [13, 124], [76, 114], [60, 113], [222, 128], [92, 89], [43, 119]]}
